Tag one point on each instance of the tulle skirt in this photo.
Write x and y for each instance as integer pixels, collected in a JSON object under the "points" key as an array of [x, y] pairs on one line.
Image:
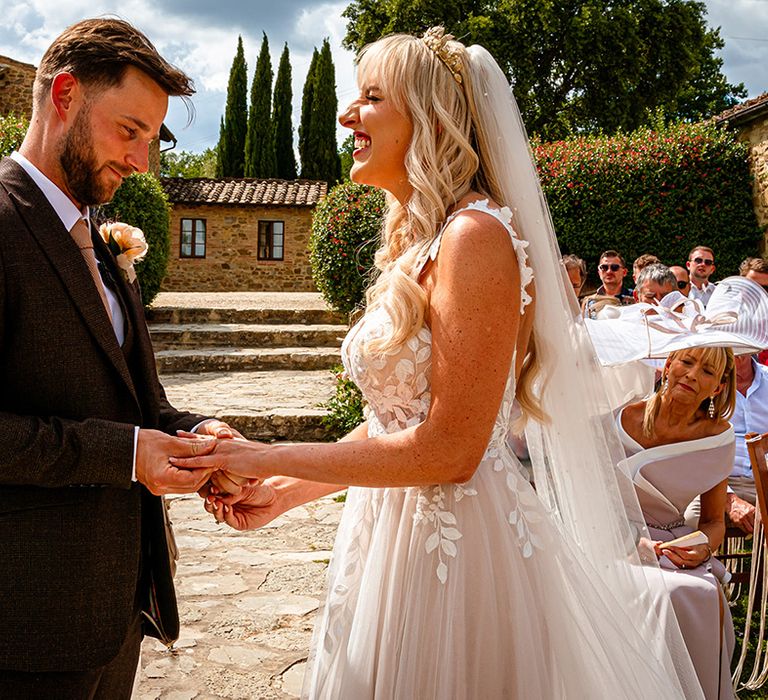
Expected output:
{"points": [[471, 591]]}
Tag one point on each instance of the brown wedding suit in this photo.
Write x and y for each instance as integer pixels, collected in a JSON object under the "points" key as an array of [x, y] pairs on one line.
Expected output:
{"points": [[74, 528]]}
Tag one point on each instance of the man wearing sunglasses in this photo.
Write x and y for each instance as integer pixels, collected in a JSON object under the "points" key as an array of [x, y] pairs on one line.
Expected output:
{"points": [[612, 271], [683, 281], [701, 265]]}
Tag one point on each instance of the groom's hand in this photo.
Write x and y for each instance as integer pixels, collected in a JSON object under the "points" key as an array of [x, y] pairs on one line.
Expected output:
{"points": [[153, 469]]}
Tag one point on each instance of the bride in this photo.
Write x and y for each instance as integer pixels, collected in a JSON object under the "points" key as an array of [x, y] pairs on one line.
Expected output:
{"points": [[451, 577]]}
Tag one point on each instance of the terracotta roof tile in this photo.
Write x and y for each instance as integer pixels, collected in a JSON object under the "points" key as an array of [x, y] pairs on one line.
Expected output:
{"points": [[745, 110], [244, 191]]}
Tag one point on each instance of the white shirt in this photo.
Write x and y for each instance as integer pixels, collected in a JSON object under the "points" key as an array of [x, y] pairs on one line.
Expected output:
{"points": [[750, 416], [702, 294]]}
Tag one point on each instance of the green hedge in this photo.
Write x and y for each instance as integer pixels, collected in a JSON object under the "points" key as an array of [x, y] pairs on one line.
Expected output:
{"points": [[12, 130], [140, 201], [345, 234], [659, 192]]}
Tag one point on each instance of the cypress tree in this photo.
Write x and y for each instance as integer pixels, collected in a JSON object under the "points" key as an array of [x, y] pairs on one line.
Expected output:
{"points": [[233, 126], [259, 143], [220, 151], [281, 120], [306, 110], [325, 161]]}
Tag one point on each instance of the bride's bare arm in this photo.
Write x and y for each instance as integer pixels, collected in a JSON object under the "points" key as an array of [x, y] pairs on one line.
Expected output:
{"points": [[474, 313]]}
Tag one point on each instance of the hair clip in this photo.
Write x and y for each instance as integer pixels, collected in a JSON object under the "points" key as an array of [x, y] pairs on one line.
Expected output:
{"points": [[436, 40]]}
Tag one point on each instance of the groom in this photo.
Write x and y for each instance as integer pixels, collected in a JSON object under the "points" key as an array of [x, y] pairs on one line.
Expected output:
{"points": [[85, 427]]}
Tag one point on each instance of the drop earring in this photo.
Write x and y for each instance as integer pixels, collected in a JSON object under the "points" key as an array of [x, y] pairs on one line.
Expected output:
{"points": [[665, 384], [711, 409]]}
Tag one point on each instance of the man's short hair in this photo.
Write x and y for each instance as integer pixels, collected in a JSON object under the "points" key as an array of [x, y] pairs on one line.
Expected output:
{"points": [[98, 52], [612, 254], [701, 247], [572, 262], [644, 260], [656, 272], [754, 265]]}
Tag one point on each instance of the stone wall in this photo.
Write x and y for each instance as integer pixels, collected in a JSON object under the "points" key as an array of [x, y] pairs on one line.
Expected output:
{"points": [[230, 262], [755, 133], [16, 80]]}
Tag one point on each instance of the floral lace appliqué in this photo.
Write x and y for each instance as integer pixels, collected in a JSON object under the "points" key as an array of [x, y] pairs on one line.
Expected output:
{"points": [[431, 508]]}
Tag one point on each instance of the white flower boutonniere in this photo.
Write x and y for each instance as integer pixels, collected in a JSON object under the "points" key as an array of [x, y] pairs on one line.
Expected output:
{"points": [[127, 244]]}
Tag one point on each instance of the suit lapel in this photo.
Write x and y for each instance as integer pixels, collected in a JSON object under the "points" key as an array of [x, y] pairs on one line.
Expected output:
{"points": [[124, 291], [66, 261], [138, 343]]}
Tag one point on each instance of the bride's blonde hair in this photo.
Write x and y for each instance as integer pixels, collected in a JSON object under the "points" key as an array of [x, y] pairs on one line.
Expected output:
{"points": [[444, 161]]}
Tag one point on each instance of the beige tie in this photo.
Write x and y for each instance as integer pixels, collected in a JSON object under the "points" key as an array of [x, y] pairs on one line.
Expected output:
{"points": [[82, 236]]}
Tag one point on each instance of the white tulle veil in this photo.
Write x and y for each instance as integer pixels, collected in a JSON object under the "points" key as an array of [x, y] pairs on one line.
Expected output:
{"points": [[576, 452]]}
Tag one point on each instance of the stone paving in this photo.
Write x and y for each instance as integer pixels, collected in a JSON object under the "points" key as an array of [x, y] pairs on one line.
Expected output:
{"points": [[247, 602]]}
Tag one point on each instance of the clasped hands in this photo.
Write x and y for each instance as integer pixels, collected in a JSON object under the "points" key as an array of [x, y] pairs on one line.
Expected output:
{"points": [[218, 463]]}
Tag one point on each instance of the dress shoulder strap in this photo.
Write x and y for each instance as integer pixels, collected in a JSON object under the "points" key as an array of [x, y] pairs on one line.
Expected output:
{"points": [[504, 217]]}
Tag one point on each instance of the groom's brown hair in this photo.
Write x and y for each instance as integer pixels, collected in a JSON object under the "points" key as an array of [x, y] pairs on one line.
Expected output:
{"points": [[98, 51]]}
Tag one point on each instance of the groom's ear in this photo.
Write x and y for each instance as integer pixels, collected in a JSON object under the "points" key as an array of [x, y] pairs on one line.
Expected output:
{"points": [[66, 93]]}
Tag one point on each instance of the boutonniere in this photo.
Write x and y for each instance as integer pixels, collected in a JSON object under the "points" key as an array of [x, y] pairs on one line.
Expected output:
{"points": [[127, 244]]}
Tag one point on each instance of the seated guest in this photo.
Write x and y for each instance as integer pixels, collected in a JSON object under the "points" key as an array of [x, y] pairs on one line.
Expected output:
{"points": [[680, 445], [577, 272], [683, 281], [612, 271], [654, 282], [749, 416], [701, 265], [756, 269], [640, 262]]}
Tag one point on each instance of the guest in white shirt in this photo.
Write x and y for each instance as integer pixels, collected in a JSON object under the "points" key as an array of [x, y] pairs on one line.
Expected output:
{"points": [[701, 266], [749, 416]]}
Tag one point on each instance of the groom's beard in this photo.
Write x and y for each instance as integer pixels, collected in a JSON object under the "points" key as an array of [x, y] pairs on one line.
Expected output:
{"points": [[80, 166]]}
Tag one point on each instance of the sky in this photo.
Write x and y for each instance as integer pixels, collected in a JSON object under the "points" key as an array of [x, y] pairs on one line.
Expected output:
{"points": [[200, 36]]}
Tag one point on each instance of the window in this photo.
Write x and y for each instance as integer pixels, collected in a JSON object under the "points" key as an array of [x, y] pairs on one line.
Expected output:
{"points": [[193, 238], [270, 240]]}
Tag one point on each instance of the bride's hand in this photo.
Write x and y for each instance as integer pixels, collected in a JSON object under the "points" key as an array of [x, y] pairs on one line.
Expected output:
{"points": [[239, 458], [251, 508]]}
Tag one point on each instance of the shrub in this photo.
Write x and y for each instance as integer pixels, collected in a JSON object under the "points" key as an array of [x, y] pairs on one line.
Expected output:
{"points": [[141, 201], [659, 192], [12, 130], [345, 235], [345, 407]]}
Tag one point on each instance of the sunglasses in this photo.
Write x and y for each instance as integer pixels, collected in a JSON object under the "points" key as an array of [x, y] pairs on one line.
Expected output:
{"points": [[682, 284], [613, 267], [704, 261]]}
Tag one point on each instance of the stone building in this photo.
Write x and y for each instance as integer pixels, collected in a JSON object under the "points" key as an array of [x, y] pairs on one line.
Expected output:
{"points": [[16, 80], [240, 234], [750, 118]]}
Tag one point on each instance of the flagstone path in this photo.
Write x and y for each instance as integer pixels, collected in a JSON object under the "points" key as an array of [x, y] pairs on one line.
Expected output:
{"points": [[247, 603]]}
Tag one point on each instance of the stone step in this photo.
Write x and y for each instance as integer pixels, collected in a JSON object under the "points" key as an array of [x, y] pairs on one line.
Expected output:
{"points": [[269, 405], [188, 315], [169, 336], [227, 359]]}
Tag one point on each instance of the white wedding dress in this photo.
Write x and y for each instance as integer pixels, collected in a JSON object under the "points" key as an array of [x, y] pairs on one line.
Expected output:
{"points": [[463, 591]]}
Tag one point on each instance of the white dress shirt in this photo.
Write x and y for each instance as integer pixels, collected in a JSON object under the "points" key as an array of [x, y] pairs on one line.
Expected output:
{"points": [[750, 416], [702, 294]]}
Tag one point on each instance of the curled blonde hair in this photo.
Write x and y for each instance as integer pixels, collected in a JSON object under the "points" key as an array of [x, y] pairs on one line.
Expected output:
{"points": [[725, 401], [444, 162]]}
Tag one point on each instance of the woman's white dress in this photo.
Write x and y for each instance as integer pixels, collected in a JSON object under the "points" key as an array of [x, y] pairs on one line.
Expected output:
{"points": [[667, 478], [462, 591]]}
